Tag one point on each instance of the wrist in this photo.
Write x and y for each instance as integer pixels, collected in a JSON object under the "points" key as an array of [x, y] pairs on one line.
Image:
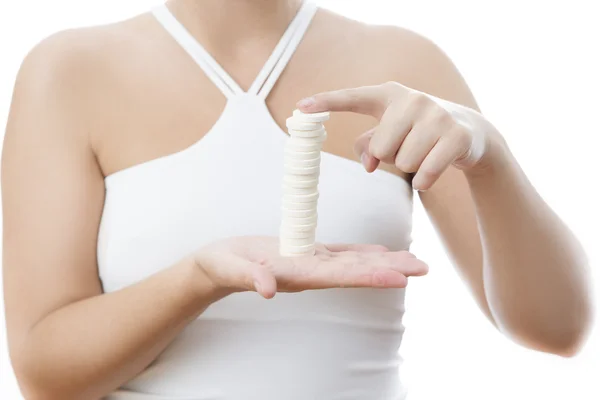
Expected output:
{"points": [[496, 160], [198, 284]]}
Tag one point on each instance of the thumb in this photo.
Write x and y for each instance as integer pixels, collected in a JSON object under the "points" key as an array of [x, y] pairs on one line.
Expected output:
{"points": [[263, 282], [229, 271], [361, 149]]}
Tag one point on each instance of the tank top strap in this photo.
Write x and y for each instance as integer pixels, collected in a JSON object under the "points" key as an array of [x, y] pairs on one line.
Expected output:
{"points": [[283, 52], [268, 75], [205, 61]]}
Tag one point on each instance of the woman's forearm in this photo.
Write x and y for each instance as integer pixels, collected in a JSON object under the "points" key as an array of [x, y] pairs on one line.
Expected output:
{"points": [[88, 348], [535, 271]]}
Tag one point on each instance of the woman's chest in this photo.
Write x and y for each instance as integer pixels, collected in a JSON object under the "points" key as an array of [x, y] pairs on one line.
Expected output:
{"points": [[159, 102], [159, 212]]}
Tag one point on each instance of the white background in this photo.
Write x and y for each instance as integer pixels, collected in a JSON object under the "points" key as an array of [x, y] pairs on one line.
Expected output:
{"points": [[534, 69]]}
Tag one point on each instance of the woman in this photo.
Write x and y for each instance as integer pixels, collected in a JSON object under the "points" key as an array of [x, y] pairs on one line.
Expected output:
{"points": [[141, 189]]}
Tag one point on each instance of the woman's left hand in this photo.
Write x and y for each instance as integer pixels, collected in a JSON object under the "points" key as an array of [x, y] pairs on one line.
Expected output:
{"points": [[418, 133]]}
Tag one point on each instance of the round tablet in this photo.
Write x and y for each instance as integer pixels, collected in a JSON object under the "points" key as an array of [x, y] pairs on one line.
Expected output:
{"points": [[298, 228], [294, 183], [289, 221], [306, 140], [298, 125], [289, 169], [292, 251], [296, 163], [286, 254], [295, 190], [297, 213], [294, 205], [308, 134], [286, 234], [294, 148], [301, 153], [301, 198], [297, 242], [311, 117], [303, 177]]}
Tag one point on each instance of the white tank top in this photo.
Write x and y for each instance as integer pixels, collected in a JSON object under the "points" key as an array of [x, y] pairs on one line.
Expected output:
{"points": [[314, 345]]}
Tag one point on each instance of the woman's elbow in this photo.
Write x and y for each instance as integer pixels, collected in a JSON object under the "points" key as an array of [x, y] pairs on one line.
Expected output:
{"points": [[566, 339], [39, 381]]}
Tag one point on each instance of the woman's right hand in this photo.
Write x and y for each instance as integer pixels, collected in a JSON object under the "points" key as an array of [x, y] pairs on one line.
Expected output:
{"points": [[251, 263]]}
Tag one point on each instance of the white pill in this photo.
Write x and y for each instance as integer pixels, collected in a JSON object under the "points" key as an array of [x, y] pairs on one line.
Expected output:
{"points": [[297, 242], [301, 198], [297, 213], [303, 148], [293, 235], [308, 134], [298, 162], [293, 205], [313, 185], [305, 141], [304, 177], [309, 218], [296, 153], [289, 221], [295, 180], [297, 125], [292, 227], [310, 227], [297, 252], [311, 117], [288, 169], [286, 231], [294, 190], [301, 184], [302, 249], [291, 191]]}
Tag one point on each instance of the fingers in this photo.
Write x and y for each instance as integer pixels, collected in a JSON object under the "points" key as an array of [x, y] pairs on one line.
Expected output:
{"points": [[341, 247], [403, 262], [407, 263], [368, 100], [348, 276], [354, 269], [416, 146], [361, 149], [390, 133], [436, 162]]}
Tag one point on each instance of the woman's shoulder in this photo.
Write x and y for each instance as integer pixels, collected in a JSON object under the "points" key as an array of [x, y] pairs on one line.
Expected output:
{"points": [[396, 52], [77, 78], [77, 53]]}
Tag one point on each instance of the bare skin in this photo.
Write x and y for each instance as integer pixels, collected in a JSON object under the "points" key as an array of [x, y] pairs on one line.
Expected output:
{"points": [[94, 101]]}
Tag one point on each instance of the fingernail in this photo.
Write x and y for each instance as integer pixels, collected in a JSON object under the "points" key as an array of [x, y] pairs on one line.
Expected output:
{"points": [[257, 286], [364, 159], [307, 102]]}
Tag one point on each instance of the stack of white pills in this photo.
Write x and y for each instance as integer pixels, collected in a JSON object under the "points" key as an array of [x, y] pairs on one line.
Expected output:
{"points": [[302, 160]]}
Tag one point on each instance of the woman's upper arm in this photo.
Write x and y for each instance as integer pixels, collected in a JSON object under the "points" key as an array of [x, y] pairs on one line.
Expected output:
{"points": [[52, 189], [448, 202]]}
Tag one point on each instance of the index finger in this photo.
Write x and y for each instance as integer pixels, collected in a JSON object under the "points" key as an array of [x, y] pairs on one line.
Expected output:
{"points": [[367, 100]]}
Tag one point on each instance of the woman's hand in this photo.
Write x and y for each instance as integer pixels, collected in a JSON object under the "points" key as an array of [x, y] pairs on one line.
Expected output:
{"points": [[418, 133], [253, 263]]}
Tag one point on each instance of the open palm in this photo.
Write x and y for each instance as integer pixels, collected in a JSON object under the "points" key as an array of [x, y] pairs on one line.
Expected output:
{"points": [[253, 263]]}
